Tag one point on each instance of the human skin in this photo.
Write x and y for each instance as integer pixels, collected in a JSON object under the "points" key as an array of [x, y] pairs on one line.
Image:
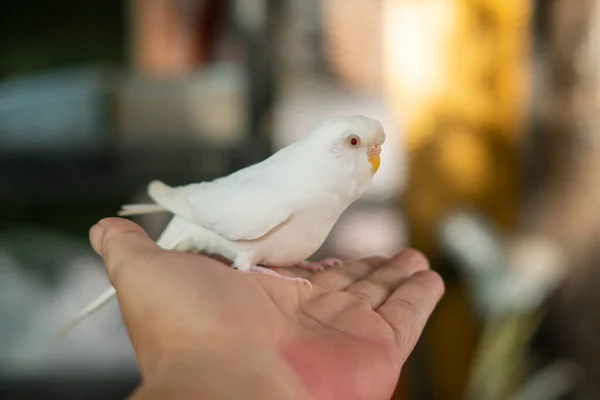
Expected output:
{"points": [[203, 330]]}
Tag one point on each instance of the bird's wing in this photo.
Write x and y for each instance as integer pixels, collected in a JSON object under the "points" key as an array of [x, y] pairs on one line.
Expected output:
{"points": [[236, 207]]}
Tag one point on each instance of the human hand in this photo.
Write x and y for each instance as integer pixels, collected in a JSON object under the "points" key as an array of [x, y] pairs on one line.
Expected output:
{"points": [[345, 339]]}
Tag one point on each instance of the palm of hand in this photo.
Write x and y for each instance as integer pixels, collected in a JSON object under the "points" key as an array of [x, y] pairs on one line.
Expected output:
{"points": [[353, 332], [347, 338]]}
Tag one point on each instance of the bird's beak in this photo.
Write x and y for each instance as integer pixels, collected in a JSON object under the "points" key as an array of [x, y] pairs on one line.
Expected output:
{"points": [[373, 154]]}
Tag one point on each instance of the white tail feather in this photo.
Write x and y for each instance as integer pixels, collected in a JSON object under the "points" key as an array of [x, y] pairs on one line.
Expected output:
{"points": [[138, 209], [91, 308]]}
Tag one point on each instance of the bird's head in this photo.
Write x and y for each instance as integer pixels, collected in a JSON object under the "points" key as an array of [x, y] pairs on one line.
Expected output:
{"points": [[355, 141]]}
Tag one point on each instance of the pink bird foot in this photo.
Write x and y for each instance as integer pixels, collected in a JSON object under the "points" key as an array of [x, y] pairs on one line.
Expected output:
{"points": [[269, 272], [316, 266]]}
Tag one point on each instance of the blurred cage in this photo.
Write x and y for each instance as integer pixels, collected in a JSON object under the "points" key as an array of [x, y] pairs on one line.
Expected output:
{"points": [[472, 95]]}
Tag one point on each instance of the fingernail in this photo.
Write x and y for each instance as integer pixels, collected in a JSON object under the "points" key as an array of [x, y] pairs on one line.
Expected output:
{"points": [[96, 235]]}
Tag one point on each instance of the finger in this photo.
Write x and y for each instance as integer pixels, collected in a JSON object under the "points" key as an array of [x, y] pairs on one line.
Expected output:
{"points": [[410, 306], [124, 247], [379, 284], [336, 279]]}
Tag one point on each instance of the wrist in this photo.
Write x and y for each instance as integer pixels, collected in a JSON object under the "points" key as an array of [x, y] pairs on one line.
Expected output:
{"points": [[248, 372]]}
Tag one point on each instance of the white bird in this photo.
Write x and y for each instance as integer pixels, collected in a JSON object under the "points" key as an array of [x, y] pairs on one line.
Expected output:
{"points": [[275, 213]]}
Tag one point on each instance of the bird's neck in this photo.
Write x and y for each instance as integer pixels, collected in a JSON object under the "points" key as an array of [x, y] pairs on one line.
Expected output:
{"points": [[349, 182]]}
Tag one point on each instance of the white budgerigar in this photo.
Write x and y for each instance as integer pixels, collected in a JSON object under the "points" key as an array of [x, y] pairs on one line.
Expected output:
{"points": [[275, 213]]}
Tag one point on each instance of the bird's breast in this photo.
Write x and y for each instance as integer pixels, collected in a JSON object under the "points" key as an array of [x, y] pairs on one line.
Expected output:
{"points": [[297, 239]]}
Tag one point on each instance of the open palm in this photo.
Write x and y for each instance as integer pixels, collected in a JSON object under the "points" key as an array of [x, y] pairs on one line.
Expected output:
{"points": [[347, 338]]}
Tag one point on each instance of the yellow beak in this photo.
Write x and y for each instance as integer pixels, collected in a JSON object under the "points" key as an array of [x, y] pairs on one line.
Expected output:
{"points": [[374, 157], [375, 160]]}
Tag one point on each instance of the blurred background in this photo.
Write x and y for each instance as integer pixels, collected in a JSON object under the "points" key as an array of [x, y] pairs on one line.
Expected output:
{"points": [[490, 167]]}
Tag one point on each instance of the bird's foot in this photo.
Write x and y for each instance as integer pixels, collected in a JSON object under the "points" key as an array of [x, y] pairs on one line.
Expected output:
{"points": [[316, 266], [269, 272]]}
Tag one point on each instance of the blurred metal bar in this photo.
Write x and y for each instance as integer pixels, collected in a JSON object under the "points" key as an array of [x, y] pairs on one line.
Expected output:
{"points": [[257, 26], [163, 40]]}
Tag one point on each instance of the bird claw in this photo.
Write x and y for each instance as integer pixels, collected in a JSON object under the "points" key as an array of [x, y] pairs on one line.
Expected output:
{"points": [[332, 262], [269, 272], [317, 266]]}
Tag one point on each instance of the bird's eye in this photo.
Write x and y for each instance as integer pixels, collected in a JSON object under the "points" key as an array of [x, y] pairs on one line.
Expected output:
{"points": [[353, 140]]}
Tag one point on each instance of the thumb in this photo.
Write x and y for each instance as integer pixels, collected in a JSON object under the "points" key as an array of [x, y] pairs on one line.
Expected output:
{"points": [[124, 247]]}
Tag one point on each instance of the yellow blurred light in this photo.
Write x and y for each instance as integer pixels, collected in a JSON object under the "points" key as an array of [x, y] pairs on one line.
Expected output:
{"points": [[464, 162], [416, 36]]}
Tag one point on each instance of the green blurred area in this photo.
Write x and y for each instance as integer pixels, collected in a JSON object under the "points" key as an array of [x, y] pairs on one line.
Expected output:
{"points": [[40, 36]]}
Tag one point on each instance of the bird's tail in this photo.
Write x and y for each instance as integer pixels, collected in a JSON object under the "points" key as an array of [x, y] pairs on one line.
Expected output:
{"points": [[173, 237], [138, 209], [91, 308]]}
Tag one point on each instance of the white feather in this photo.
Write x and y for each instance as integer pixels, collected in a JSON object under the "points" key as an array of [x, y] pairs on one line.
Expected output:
{"points": [[137, 209]]}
